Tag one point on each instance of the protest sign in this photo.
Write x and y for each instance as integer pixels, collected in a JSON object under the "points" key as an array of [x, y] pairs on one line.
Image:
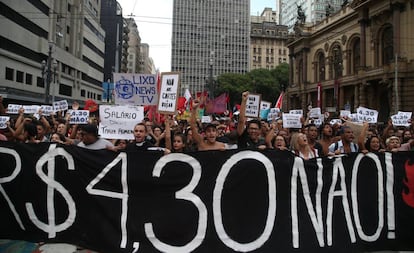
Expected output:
{"points": [[344, 113], [61, 105], [3, 120], [291, 120], [31, 109], [297, 111], [210, 201], [47, 110], [206, 119], [135, 89], [274, 114], [79, 116], [13, 108], [367, 115], [253, 105], [402, 119], [167, 101], [264, 109], [315, 112], [118, 121]]}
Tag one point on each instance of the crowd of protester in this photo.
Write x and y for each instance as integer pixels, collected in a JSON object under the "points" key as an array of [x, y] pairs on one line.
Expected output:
{"points": [[221, 133]]}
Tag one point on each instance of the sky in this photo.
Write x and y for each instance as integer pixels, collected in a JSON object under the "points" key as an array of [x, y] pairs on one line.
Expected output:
{"points": [[154, 21]]}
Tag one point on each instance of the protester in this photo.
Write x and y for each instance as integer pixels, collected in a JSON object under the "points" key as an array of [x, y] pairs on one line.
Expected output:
{"points": [[91, 139], [393, 144], [345, 144], [57, 138], [327, 138], [312, 136], [250, 134], [300, 147]]}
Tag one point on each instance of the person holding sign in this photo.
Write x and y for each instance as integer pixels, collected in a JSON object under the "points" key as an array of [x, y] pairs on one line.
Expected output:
{"points": [[210, 141], [250, 135]]}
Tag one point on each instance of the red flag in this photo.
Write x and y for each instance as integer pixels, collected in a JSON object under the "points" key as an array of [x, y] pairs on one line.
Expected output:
{"points": [[279, 100], [217, 105], [181, 103]]}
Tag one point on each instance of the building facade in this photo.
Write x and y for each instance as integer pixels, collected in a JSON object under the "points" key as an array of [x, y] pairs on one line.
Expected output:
{"points": [[67, 33], [146, 62], [209, 38], [134, 47], [268, 41], [361, 56], [314, 10]]}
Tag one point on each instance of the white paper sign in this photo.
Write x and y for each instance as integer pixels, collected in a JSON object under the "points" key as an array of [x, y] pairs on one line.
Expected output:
{"points": [[315, 112], [264, 105], [353, 117], [135, 89], [253, 105], [167, 102], [3, 120], [13, 109], [79, 117], [335, 121], [367, 115], [344, 113], [31, 109], [118, 122], [61, 105], [47, 110], [291, 120], [300, 112], [274, 114], [402, 119], [205, 119]]}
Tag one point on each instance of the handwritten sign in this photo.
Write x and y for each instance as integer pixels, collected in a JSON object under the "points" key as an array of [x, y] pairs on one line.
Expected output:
{"points": [[167, 102], [401, 119], [315, 112], [274, 114], [61, 105], [135, 89], [264, 109], [47, 110], [79, 116], [3, 121], [335, 121], [206, 119], [117, 122], [300, 112], [291, 120], [367, 115], [13, 108], [31, 109], [253, 105], [344, 113]]}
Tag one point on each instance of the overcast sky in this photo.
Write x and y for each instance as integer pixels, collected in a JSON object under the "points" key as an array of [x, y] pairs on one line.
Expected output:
{"points": [[154, 21]]}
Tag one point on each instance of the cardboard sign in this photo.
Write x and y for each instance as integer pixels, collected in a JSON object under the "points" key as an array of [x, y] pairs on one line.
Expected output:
{"points": [[253, 105], [3, 120], [79, 116], [402, 119], [118, 121], [264, 109], [167, 102], [291, 120], [367, 115], [135, 89]]}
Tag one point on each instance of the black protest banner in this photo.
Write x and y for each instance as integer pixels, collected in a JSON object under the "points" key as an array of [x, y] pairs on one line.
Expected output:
{"points": [[216, 201]]}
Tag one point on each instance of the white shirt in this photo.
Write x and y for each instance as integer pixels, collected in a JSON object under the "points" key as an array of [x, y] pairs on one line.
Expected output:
{"points": [[98, 144]]}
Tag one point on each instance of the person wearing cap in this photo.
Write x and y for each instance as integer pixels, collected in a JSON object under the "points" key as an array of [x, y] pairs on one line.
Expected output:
{"points": [[210, 141], [91, 139], [250, 134]]}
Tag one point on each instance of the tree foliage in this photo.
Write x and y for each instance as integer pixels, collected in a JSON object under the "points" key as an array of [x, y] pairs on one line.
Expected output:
{"points": [[268, 83]]}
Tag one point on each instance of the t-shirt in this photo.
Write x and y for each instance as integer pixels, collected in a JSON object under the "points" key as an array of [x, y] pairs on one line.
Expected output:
{"points": [[244, 141], [138, 146], [98, 144]]}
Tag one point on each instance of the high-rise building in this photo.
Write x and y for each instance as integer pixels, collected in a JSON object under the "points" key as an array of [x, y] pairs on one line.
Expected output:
{"points": [[146, 62], [268, 46], [209, 38], [314, 10], [66, 36], [134, 47]]}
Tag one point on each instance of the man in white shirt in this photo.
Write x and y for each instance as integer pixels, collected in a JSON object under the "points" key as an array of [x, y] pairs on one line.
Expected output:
{"points": [[91, 139]]}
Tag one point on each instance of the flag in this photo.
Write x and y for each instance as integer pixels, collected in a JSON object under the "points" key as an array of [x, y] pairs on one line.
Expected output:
{"points": [[217, 105], [187, 96], [279, 100]]}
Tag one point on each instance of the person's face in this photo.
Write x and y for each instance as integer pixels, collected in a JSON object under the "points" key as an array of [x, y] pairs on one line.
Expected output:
{"points": [[122, 144], [254, 131], [327, 130], [157, 131], [393, 143], [211, 134], [374, 144], [178, 143], [302, 140], [148, 124], [189, 135], [54, 138], [61, 128], [348, 135], [40, 130], [407, 135], [279, 142], [88, 138], [139, 133], [312, 133]]}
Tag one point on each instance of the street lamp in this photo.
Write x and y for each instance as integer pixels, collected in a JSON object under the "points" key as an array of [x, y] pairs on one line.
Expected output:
{"points": [[47, 72], [210, 78]]}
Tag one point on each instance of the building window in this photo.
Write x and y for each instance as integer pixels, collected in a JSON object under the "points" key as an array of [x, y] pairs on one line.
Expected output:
{"points": [[19, 76], [29, 79], [321, 66], [9, 74], [356, 58], [336, 64], [82, 93], [387, 46], [40, 82], [65, 90]]}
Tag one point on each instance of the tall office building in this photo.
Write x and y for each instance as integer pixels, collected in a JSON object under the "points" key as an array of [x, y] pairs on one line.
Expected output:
{"points": [[315, 10], [210, 37]]}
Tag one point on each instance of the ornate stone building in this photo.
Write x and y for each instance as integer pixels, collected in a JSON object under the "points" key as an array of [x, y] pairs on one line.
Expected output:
{"points": [[361, 56]]}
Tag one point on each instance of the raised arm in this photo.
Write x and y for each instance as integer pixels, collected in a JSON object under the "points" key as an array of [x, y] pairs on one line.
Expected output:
{"points": [[196, 135], [362, 136], [167, 132], [242, 115]]}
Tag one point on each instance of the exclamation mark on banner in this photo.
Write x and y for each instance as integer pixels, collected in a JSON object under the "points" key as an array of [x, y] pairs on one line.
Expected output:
{"points": [[390, 196]]}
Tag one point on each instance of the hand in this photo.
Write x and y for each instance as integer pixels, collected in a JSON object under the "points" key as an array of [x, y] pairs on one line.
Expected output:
{"points": [[196, 104], [245, 95]]}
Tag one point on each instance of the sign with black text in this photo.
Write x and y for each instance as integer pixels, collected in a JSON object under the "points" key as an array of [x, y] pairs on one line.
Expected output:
{"points": [[135, 89], [213, 201], [167, 102], [253, 105]]}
